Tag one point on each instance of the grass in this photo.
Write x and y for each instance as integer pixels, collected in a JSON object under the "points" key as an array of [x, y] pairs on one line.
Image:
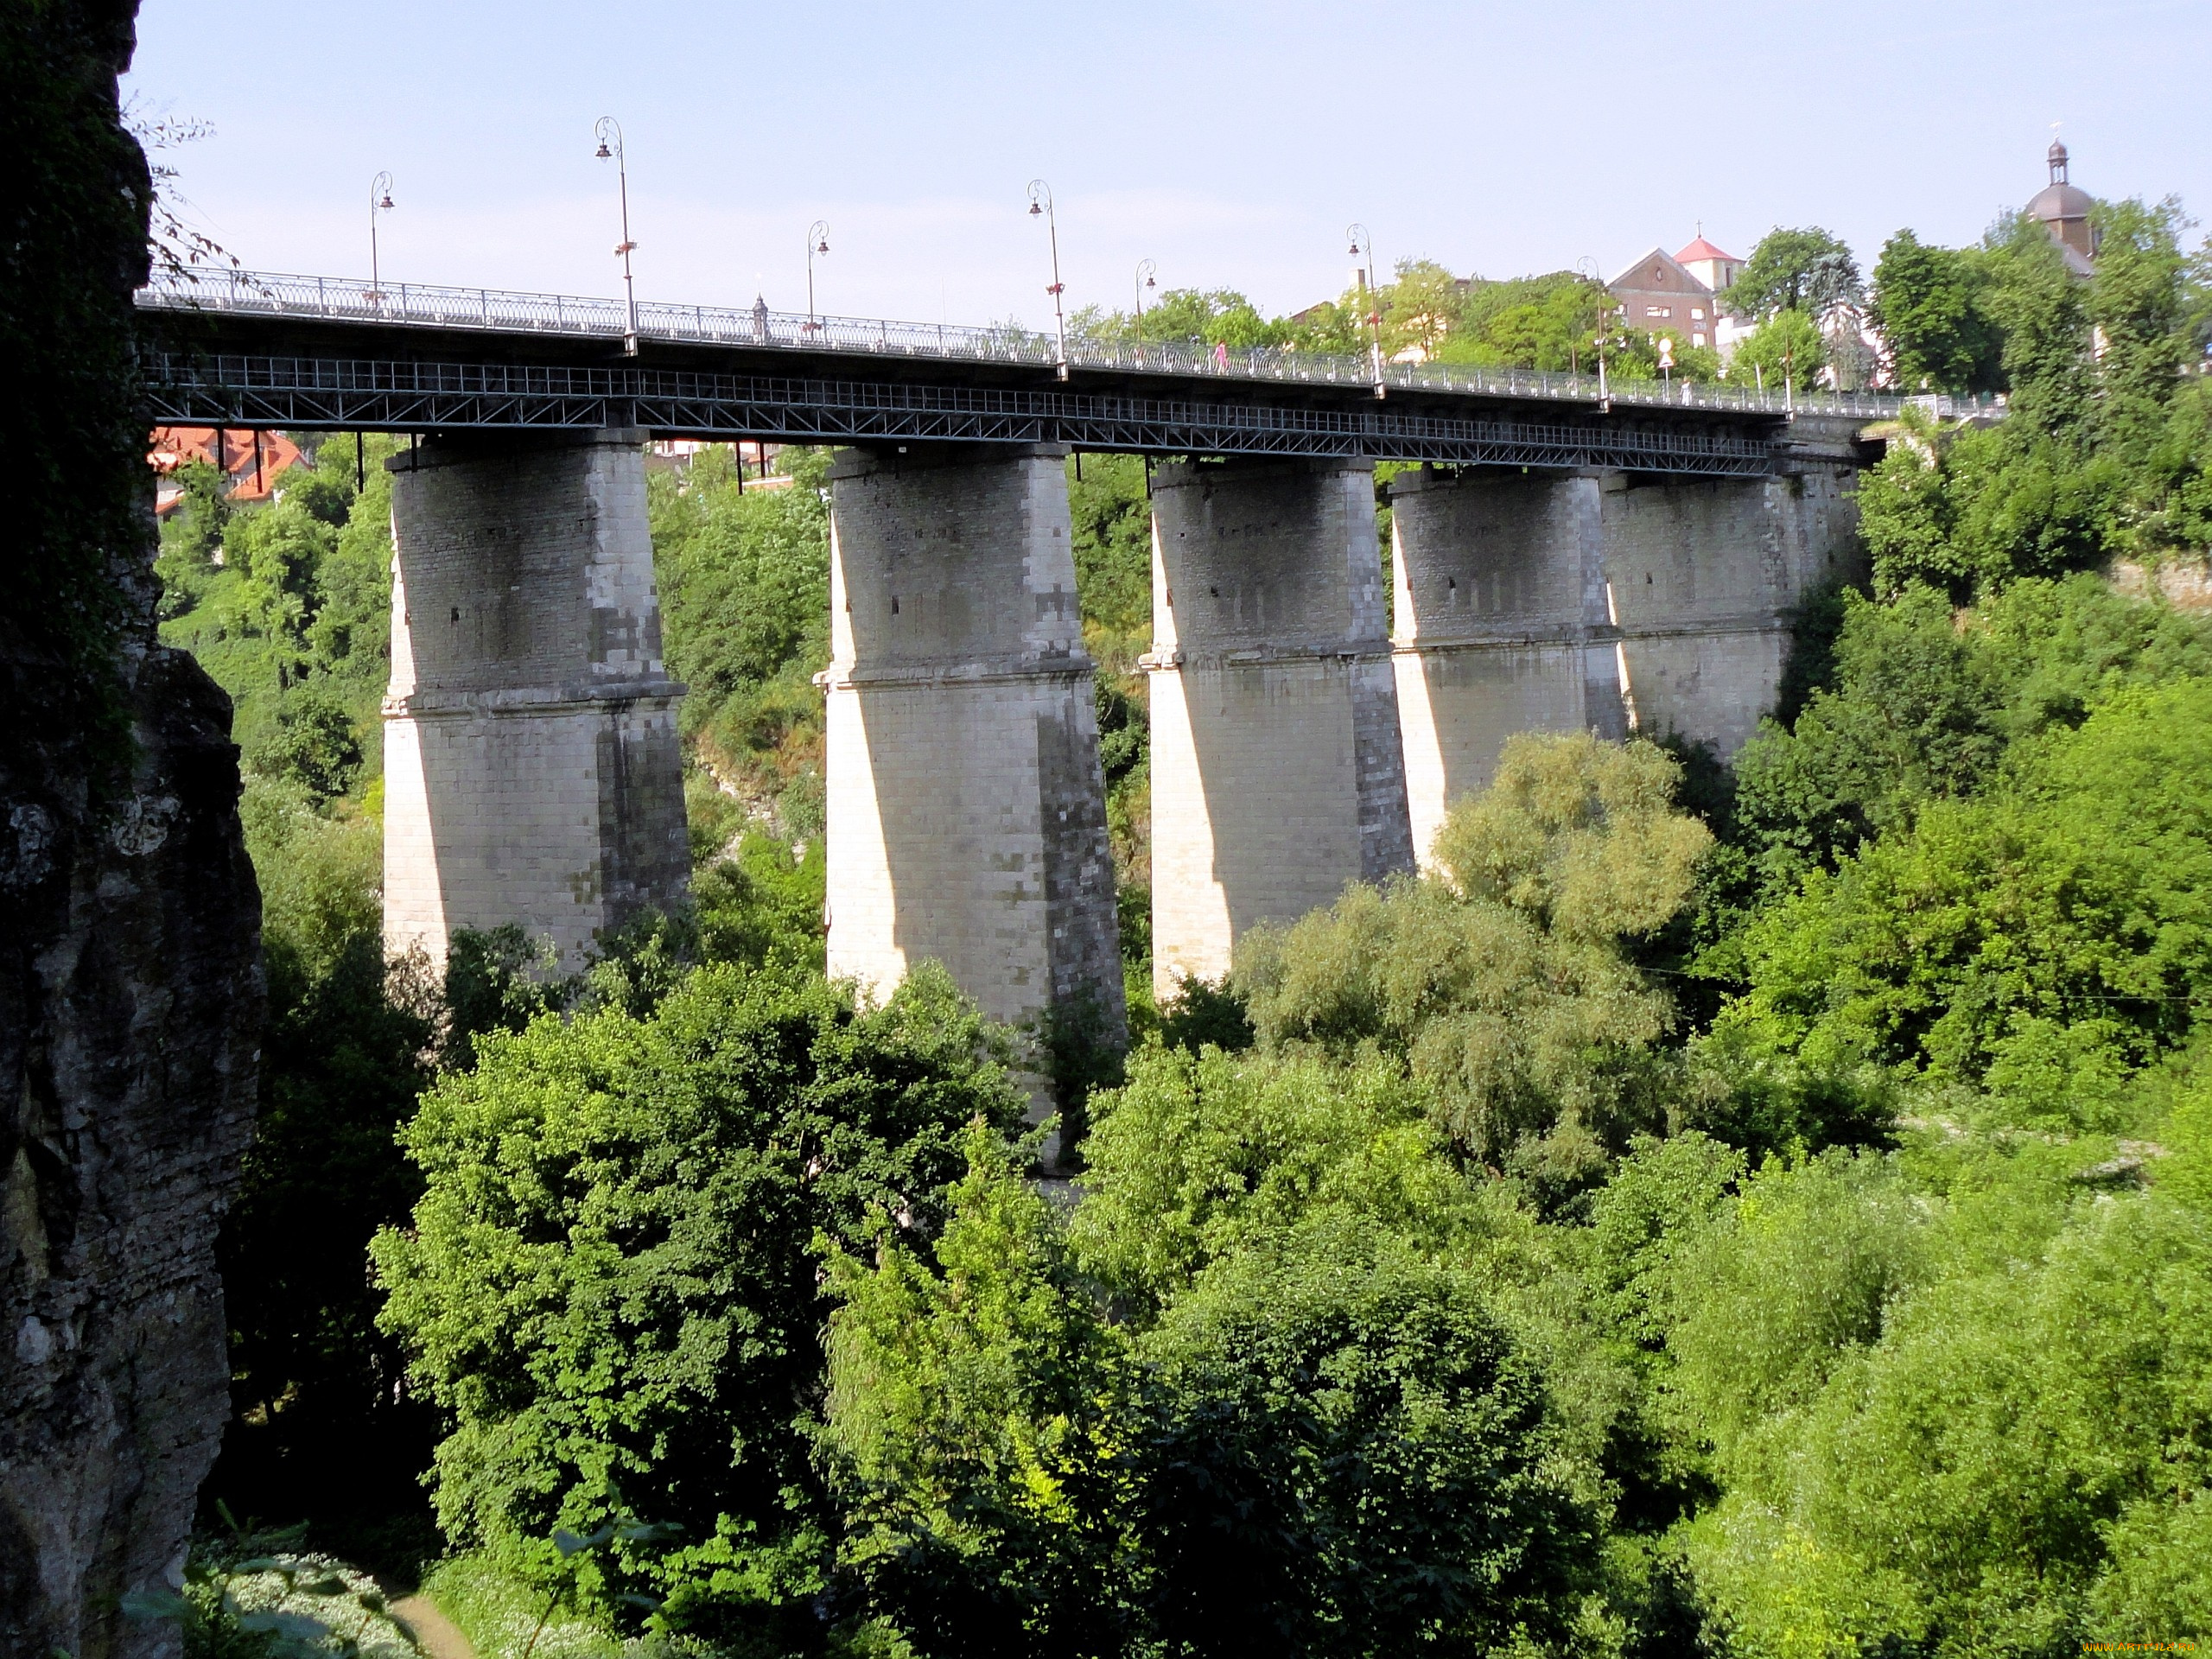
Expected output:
{"points": [[497, 1614]]}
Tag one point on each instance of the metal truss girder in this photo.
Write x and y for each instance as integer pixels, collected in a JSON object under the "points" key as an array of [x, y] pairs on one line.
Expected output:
{"points": [[310, 392]]}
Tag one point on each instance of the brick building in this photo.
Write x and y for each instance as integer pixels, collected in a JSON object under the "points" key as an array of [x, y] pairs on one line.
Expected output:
{"points": [[1660, 293]]}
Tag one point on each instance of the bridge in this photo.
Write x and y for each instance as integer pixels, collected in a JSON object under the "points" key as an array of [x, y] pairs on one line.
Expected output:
{"points": [[251, 349], [1567, 552]]}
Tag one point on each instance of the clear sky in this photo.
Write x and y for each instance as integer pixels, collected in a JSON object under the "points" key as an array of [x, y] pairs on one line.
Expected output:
{"points": [[1230, 144]]}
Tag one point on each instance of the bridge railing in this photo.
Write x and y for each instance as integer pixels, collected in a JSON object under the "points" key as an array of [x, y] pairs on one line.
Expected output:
{"points": [[502, 310]]}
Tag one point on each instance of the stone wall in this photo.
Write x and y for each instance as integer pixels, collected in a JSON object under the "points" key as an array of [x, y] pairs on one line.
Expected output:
{"points": [[130, 975], [1278, 771], [531, 772], [967, 811]]}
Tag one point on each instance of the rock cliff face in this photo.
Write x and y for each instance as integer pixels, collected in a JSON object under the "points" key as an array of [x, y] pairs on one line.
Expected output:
{"points": [[130, 976]]}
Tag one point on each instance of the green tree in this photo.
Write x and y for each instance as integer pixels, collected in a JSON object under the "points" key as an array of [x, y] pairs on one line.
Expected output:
{"points": [[764, 905], [612, 1281], [1420, 308], [2038, 305], [2004, 1456], [1508, 990], [1112, 541], [1345, 1452], [2137, 304], [970, 1423], [1787, 348], [1531, 322], [313, 744], [2048, 937], [1927, 303], [1912, 713], [1186, 316], [1787, 271], [744, 582], [192, 536], [1200, 1156]]}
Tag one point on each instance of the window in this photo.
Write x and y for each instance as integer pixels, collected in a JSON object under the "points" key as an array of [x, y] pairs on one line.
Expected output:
{"points": [[1697, 340], [1697, 313], [1658, 310]]}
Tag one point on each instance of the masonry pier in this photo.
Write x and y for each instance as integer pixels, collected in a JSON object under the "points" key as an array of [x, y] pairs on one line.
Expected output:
{"points": [[531, 773], [967, 808], [1610, 602], [1502, 623], [1277, 771]]}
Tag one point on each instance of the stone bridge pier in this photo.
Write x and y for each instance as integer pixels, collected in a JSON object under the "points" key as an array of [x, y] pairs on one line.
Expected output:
{"points": [[1607, 601], [531, 773], [1502, 623], [1277, 772], [967, 808]]}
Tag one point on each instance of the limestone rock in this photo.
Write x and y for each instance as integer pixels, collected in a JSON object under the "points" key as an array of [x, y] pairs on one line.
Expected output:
{"points": [[130, 969]]}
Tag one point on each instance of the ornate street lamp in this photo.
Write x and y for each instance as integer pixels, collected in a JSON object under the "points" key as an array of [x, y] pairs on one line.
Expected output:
{"points": [[1041, 202], [1363, 246], [609, 131], [1146, 270], [379, 203], [1588, 267], [818, 241]]}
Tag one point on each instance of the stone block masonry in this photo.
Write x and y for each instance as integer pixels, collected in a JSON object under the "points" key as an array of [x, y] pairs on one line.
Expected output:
{"points": [[967, 809], [1277, 771], [531, 772], [1706, 577], [1617, 603], [1502, 623]]}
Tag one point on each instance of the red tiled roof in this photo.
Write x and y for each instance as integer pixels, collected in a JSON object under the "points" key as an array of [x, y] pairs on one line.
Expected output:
{"points": [[1702, 248], [232, 453]]}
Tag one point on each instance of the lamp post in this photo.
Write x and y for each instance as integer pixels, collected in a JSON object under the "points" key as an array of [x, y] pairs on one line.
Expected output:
{"points": [[818, 241], [379, 203], [1041, 202], [1589, 267], [609, 131], [1145, 273], [1363, 245]]}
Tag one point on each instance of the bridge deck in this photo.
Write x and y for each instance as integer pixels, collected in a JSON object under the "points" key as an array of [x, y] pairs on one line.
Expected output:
{"points": [[242, 349]]}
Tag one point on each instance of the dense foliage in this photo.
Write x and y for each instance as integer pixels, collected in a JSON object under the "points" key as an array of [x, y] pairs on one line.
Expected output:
{"points": [[1506, 988], [744, 578], [611, 1284], [2107, 448]]}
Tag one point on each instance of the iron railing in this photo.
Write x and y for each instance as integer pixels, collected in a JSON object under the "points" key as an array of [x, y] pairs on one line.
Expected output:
{"points": [[502, 310]]}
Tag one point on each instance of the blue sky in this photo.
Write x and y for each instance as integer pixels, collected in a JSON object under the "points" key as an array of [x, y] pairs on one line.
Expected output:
{"points": [[1229, 143]]}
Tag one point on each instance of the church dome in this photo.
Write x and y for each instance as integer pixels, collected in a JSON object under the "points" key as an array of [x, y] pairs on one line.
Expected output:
{"points": [[2060, 200]]}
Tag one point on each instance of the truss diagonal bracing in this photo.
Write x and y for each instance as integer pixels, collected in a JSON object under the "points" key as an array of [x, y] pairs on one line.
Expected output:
{"points": [[309, 393]]}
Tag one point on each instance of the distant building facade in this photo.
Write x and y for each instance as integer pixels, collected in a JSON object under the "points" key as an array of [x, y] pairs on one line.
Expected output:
{"points": [[1677, 293]]}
